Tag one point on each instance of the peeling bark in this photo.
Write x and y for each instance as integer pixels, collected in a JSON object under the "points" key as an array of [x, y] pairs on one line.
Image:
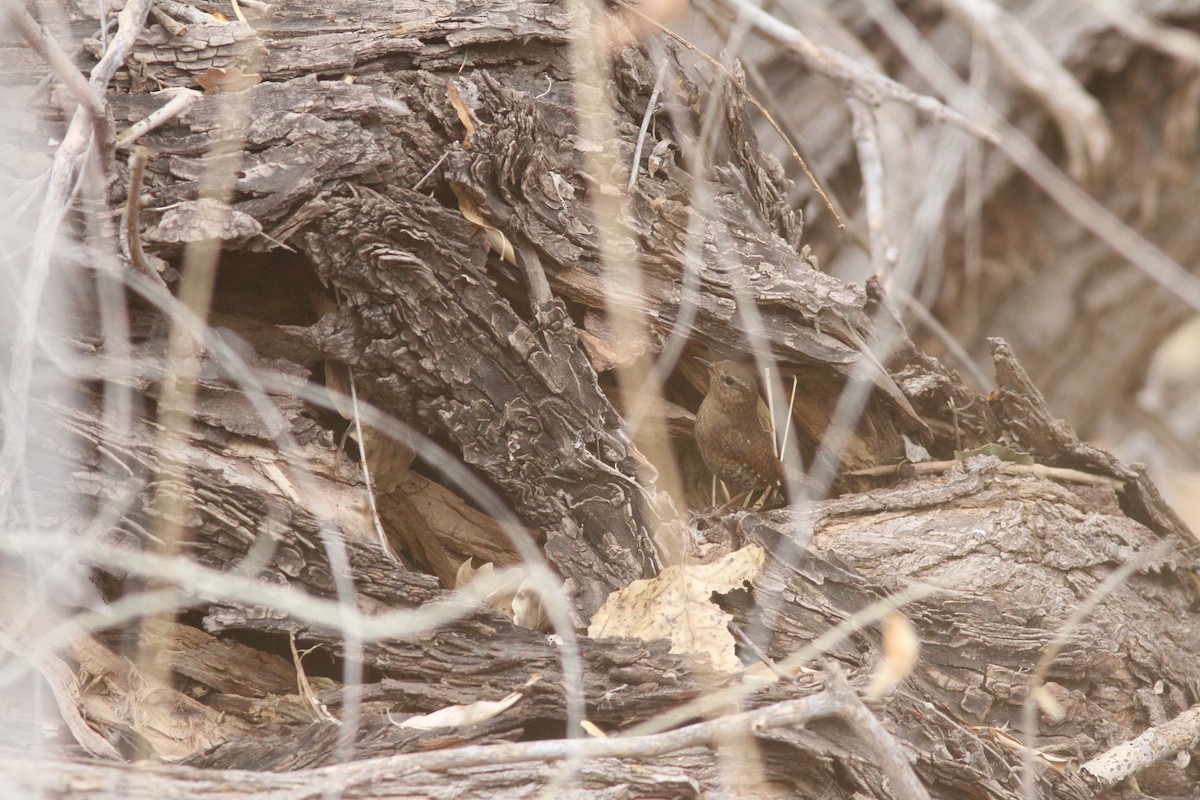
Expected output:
{"points": [[469, 269]]}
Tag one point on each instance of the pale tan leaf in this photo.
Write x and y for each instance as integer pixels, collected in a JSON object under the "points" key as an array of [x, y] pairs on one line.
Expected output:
{"points": [[1048, 703], [465, 115], [901, 648], [527, 608], [676, 606], [592, 730], [216, 80], [468, 714], [496, 240], [508, 591]]}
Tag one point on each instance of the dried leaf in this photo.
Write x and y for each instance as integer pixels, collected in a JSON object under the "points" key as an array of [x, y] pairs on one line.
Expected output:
{"points": [[901, 647], [216, 80], [658, 156], [497, 240], [465, 115], [1054, 761], [507, 591], [676, 606], [914, 451], [527, 608], [592, 730], [468, 714], [1049, 704]]}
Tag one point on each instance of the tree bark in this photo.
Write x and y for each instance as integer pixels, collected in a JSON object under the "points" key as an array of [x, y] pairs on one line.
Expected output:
{"points": [[430, 244]]}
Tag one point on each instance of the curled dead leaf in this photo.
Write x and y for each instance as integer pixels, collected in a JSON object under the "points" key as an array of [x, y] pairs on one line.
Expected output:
{"points": [[901, 648], [216, 80], [497, 240], [458, 716], [592, 730], [508, 591], [465, 115], [677, 606]]}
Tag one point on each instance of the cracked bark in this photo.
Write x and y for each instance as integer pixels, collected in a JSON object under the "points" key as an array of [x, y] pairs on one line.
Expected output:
{"points": [[451, 339]]}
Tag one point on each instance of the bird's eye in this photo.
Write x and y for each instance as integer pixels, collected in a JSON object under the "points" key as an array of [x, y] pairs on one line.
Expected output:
{"points": [[728, 380]]}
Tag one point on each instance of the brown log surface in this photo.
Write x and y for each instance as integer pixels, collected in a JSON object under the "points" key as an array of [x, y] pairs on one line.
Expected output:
{"points": [[379, 139]]}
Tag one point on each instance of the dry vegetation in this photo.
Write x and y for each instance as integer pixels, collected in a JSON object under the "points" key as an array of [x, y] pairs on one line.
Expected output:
{"points": [[353, 350]]}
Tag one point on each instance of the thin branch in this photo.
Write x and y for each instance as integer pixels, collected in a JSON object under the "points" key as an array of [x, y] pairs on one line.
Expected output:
{"points": [[1081, 121], [197, 581], [130, 21], [829, 702], [713, 702], [1155, 744], [173, 26], [1035, 470], [855, 78], [1088, 212], [181, 99], [870, 165], [1081, 612], [949, 341], [384, 545], [759, 84], [1172, 40], [62, 65], [649, 115], [808, 173], [887, 753], [131, 227], [55, 204]]}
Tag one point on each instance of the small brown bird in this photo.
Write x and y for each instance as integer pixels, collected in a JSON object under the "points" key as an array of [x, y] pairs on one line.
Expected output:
{"points": [[733, 429]]}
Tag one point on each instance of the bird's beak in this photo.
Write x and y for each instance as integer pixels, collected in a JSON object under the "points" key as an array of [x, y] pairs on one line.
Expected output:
{"points": [[704, 361]]}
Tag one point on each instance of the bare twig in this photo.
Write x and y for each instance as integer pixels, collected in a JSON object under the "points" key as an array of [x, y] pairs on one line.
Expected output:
{"points": [[184, 11], [1153, 745], [384, 545], [879, 741], [173, 26], [830, 702], [131, 228], [130, 21], [181, 99], [649, 115], [759, 84], [808, 173], [319, 710], [948, 340], [838, 699], [1172, 40], [1081, 120], [714, 701], [197, 581], [16, 639], [55, 204], [1081, 612], [870, 164], [429, 174], [1024, 153], [237, 10], [1035, 470], [854, 77], [62, 65]]}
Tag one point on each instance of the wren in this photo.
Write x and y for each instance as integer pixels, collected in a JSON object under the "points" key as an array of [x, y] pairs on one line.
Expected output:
{"points": [[733, 429]]}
